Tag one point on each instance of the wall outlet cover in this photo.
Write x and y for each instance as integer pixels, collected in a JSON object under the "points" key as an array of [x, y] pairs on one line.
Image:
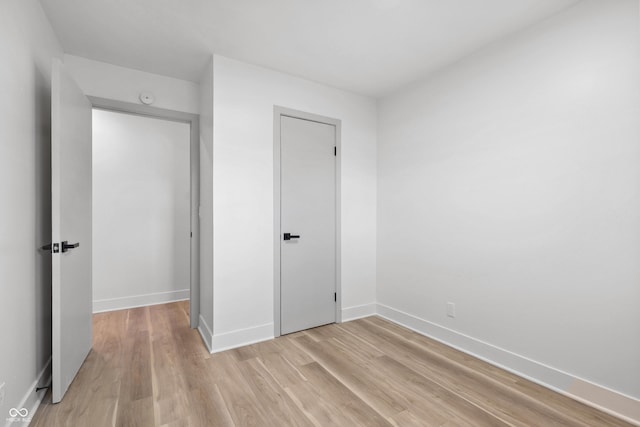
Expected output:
{"points": [[451, 309]]}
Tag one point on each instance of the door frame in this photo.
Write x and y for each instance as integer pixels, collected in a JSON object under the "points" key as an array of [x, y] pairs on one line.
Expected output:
{"points": [[278, 113], [193, 120]]}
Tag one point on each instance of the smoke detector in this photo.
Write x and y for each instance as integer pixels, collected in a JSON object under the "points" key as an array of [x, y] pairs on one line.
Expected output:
{"points": [[147, 98]]}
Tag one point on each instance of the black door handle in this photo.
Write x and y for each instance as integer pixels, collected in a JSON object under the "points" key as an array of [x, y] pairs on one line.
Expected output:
{"points": [[51, 247], [66, 246], [289, 236]]}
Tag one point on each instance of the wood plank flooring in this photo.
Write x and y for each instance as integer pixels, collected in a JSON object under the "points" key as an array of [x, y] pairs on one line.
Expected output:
{"points": [[147, 368]]}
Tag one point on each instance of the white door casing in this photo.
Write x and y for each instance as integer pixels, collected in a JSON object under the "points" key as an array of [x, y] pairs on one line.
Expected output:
{"points": [[307, 209], [72, 329]]}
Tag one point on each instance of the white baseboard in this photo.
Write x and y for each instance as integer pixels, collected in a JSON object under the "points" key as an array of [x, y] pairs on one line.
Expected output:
{"points": [[358, 311], [242, 337], [206, 333], [599, 397], [31, 400], [123, 303], [606, 400]]}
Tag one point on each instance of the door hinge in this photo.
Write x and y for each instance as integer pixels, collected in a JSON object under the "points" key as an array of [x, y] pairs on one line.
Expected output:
{"points": [[191, 234], [335, 296], [335, 151]]}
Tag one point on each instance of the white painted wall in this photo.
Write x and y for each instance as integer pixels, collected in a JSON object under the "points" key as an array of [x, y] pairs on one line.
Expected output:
{"points": [[206, 204], [125, 84], [509, 184], [27, 46], [141, 211], [244, 97]]}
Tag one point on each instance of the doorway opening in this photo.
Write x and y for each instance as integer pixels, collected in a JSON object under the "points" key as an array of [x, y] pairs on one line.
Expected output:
{"points": [[145, 208], [307, 291]]}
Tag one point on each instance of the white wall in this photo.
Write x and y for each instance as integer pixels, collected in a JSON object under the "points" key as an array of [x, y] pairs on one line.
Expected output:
{"points": [[206, 204], [509, 184], [27, 46], [109, 81], [141, 211], [244, 97]]}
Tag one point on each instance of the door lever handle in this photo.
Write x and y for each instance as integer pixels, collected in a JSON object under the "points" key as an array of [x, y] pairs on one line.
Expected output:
{"points": [[66, 246], [289, 236], [51, 247]]}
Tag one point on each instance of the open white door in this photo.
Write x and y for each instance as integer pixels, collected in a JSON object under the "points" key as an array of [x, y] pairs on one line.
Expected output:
{"points": [[71, 229]]}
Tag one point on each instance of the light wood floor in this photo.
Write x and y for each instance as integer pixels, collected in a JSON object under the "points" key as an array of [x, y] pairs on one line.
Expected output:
{"points": [[147, 368]]}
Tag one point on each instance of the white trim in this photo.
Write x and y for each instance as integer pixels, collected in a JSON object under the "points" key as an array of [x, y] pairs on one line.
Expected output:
{"points": [[502, 358], [358, 311], [205, 333], [626, 407], [31, 400], [133, 301], [606, 400], [242, 337]]}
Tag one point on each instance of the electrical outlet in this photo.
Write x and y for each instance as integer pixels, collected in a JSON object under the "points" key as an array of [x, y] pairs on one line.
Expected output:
{"points": [[1, 393], [451, 309]]}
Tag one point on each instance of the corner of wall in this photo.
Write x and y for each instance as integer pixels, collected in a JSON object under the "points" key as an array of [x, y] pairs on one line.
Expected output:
{"points": [[205, 332], [206, 197], [358, 311]]}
